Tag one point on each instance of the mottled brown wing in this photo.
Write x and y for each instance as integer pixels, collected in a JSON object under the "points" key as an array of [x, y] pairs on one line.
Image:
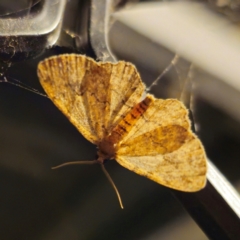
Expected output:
{"points": [[94, 96], [162, 148]]}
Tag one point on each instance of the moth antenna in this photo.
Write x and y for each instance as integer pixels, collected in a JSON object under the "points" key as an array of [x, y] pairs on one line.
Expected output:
{"points": [[23, 86], [75, 163], [172, 63], [113, 185]]}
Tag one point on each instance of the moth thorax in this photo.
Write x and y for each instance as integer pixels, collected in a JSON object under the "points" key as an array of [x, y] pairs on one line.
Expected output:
{"points": [[107, 149]]}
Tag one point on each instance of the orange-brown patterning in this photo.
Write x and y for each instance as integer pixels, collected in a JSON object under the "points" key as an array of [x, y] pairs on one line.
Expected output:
{"points": [[151, 137]]}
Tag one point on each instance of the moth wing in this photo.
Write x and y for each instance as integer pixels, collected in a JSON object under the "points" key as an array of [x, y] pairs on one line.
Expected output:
{"points": [[94, 96], [164, 149]]}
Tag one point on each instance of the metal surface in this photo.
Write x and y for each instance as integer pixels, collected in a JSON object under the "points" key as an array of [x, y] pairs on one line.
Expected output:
{"points": [[99, 29], [27, 36], [42, 22]]}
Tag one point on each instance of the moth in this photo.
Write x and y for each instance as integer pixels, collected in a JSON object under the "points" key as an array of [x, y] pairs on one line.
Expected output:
{"points": [[104, 101]]}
